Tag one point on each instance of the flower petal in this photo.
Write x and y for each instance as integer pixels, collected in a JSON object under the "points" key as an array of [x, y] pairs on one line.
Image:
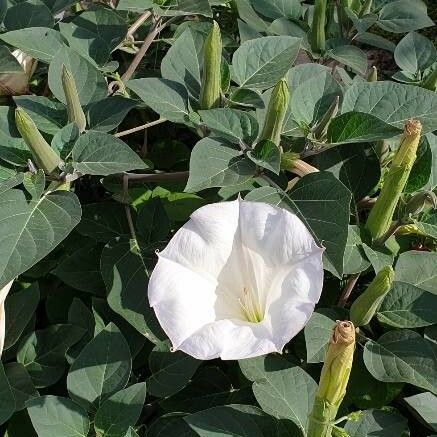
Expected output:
{"points": [[3, 293]]}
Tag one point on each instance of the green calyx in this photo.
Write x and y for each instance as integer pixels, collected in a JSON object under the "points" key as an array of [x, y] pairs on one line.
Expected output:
{"points": [[74, 108], [210, 94], [365, 306], [276, 111], [45, 157], [318, 38]]}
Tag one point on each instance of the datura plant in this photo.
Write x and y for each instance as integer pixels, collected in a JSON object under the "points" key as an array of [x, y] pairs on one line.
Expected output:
{"points": [[218, 218]]}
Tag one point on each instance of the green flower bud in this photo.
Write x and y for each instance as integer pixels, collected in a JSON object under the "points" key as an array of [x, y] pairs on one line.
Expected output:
{"points": [[210, 93], [318, 38], [333, 380], [290, 161], [320, 130], [74, 108], [366, 305], [381, 215], [275, 115], [373, 75], [45, 157]]}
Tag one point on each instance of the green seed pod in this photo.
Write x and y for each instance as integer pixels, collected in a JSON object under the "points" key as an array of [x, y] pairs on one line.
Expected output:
{"points": [[318, 38], [210, 93], [373, 75], [381, 215], [74, 108], [45, 157], [333, 380], [275, 115], [366, 305], [430, 83], [320, 130]]}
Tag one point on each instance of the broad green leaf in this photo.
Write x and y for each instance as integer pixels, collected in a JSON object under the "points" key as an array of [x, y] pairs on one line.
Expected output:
{"points": [[186, 7], [318, 332], [214, 163], [28, 13], [105, 115], [350, 56], [322, 202], [153, 222], [55, 416], [418, 268], [95, 33], [43, 352], [379, 257], [425, 404], [403, 356], [126, 278], [21, 384], [422, 172], [90, 82], [407, 306], [431, 139], [166, 97], [415, 52], [134, 5], [33, 229], [374, 423], [98, 153], [81, 270], [171, 371], [40, 42], [19, 309], [65, 139], [102, 368], [7, 401], [183, 61], [278, 8], [170, 425], [359, 127], [393, 103], [34, 184], [58, 5], [262, 62], [246, 98], [376, 41], [231, 124], [10, 65], [120, 411], [249, 16], [266, 154]]}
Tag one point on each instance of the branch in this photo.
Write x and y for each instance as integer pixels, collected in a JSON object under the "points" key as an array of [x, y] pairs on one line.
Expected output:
{"points": [[139, 128], [348, 289], [127, 207]]}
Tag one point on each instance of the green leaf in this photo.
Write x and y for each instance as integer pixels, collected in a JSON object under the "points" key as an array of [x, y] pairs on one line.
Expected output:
{"points": [[81, 270], [266, 154], [58, 5], [102, 368], [431, 139], [98, 153], [43, 352], [393, 103], [407, 306], [350, 56], [401, 16], [403, 356], [65, 139], [231, 124], [120, 411], [422, 171], [153, 222], [214, 163], [19, 310], [186, 7], [358, 127], [95, 33], [262, 62], [90, 82], [134, 5], [40, 42], [425, 404], [10, 65], [54, 416], [28, 13], [166, 97], [418, 268], [171, 371], [7, 401], [33, 228], [318, 332], [379, 257], [126, 278], [21, 384], [278, 8], [322, 202], [34, 183], [415, 52], [377, 422], [170, 425]]}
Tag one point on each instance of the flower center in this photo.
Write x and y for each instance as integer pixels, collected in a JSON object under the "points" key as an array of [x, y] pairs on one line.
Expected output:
{"points": [[251, 306]]}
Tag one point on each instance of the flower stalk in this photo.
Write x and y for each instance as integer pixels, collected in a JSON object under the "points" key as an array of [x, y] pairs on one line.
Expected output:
{"points": [[45, 157], [318, 38], [210, 93], [333, 380], [381, 215], [74, 108], [365, 306], [276, 111]]}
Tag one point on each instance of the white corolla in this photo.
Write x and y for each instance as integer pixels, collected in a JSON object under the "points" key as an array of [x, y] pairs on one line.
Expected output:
{"points": [[238, 280], [17, 83], [3, 293]]}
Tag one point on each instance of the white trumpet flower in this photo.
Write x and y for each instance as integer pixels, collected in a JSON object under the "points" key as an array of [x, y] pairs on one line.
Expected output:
{"points": [[3, 293], [238, 280], [14, 84]]}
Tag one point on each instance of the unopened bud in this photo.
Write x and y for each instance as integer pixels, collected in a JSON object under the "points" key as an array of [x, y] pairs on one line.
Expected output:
{"points": [[318, 38], [14, 84], [365, 306], [373, 75], [74, 108], [45, 157], [290, 161]]}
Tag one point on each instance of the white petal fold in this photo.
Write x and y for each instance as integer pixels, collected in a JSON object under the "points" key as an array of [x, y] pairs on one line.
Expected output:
{"points": [[3, 293]]}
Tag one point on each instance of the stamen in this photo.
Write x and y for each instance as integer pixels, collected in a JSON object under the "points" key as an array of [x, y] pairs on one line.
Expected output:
{"points": [[251, 307]]}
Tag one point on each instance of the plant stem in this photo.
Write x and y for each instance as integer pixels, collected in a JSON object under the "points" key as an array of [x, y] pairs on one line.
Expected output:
{"points": [[139, 128]]}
